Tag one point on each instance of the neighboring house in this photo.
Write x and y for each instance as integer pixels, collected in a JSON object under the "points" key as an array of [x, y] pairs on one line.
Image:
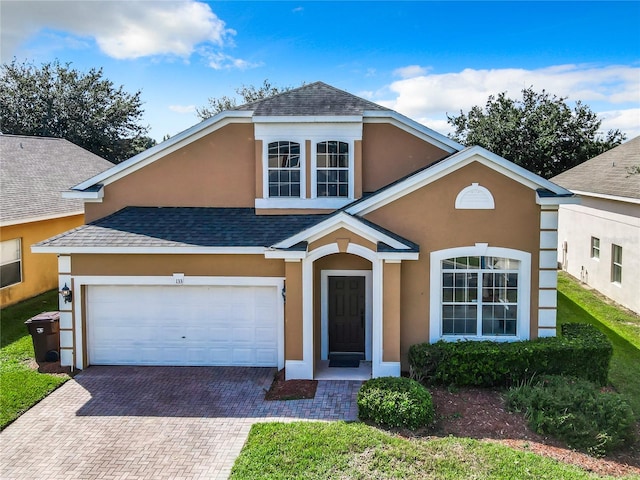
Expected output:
{"points": [[599, 239], [33, 172], [300, 225]]}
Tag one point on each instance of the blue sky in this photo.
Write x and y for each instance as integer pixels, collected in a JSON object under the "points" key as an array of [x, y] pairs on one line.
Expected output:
{"points": [[423, 59]]}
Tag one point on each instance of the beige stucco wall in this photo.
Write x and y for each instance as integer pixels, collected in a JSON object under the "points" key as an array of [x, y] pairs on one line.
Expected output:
{"points": [[293, 311], [429, 218], [39, 270], [217, 170], [155, 265], [389, 153]]}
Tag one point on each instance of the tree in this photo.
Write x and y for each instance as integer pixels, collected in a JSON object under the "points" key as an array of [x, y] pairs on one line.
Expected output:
{"points": [[540, 132], [56, 100], [249, 94]]}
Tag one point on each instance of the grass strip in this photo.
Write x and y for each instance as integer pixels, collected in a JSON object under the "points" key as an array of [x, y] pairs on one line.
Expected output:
{"points": [[579, 305], [21, 387]]}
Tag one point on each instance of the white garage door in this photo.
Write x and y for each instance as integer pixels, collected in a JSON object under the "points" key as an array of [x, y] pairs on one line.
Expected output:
{"points": [[182, 325]]}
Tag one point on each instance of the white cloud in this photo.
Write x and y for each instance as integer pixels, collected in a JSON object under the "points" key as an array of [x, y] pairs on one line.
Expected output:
{"points": [[183, 108], [627, 121], [431, 96], [410, 71], [122, 30], [222, 61]]}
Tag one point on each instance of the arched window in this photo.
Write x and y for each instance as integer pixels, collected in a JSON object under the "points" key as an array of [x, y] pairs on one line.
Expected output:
{"points": [[480, 292], [332, 169], [284, 169]]}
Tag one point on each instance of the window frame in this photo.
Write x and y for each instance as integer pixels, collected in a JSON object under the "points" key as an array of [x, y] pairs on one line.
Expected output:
{"points": [[595, 249], [279, 169], [18, 261], [349, 169], [616, 264], [523, 312]]}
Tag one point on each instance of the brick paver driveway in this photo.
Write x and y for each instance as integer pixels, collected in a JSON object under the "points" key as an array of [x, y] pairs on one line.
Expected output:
{"points": [[154, 422]]}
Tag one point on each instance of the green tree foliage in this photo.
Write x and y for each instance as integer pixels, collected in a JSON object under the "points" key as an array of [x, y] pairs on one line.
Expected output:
{"points": [[540, 132], [248, 93], [55, 100]]}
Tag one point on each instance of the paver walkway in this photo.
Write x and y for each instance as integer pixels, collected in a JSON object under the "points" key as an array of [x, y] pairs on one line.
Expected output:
{"points": [[154, 422]]}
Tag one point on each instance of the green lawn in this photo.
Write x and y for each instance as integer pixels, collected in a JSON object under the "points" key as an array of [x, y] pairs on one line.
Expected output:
{"points": [[577, 304], [338, 450], [22, 387]]}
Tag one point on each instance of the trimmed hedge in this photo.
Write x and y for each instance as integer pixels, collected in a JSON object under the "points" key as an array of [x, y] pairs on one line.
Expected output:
{"points": [[581, 351], [395, 402]]}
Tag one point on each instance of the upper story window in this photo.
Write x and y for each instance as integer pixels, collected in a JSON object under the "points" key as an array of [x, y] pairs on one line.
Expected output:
{"points": [[332, 174], [10, 262], [616, 263], [284, 169], [595, 247]]}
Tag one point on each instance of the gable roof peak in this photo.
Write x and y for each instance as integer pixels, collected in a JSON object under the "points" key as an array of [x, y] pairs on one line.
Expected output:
{"points": [[313, 99]]}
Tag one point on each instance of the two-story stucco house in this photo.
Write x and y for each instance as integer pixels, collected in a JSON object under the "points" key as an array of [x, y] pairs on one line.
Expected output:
{"points": [[308, 223]]}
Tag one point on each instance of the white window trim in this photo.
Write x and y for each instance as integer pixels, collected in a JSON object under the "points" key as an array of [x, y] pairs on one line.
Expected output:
{"points": [[594, 248], [20, 259], [265, 167], [524, 291], [314, 167], [313, 132], [615, 264]]}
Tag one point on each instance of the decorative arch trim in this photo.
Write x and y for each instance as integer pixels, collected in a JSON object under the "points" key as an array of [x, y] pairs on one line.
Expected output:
{"points": [[475, 197]]}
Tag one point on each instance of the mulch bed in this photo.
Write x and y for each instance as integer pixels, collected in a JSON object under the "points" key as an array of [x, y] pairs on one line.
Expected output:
{"points": [[481, 413], [282, 389]]}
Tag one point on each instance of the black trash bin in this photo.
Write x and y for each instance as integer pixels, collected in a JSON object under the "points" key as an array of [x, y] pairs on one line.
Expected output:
{"points": [[45, 334]]}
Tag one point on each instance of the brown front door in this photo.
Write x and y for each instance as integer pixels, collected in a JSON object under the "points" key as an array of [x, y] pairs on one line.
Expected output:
{"points": [[346, 314]]}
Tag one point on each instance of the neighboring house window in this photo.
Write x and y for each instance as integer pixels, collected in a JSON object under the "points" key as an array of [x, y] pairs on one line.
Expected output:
{"points": [[595, 247], [616, 264], [480, 296], [10, 262], [284, 169], [332, 169]]}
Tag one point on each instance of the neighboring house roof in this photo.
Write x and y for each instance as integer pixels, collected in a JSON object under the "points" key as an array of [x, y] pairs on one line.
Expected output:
{"points": [[608, 174], [310, 100], [33, 172]]}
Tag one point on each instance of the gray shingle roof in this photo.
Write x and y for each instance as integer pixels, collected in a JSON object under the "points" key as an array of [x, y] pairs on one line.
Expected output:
{"points": [[33, 172], [607, 173], [184, 227], [153, 227], [314, 99]]}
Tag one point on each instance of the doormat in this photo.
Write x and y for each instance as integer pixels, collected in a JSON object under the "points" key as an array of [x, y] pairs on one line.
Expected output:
{"points": [[345, 360]]}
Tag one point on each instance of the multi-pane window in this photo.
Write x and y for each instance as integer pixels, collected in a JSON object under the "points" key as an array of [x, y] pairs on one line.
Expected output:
{"points": [[332, 169], [616, 263], [10, 262], [480, 296], [595, 247], [284, 169]]}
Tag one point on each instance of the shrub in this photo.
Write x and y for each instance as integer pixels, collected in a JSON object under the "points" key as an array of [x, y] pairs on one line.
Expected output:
{"points": [[582, 351], [575, 411], [395, 402]]}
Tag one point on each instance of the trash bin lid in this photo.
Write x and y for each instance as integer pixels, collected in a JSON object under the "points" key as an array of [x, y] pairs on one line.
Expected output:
{"points": [[44, 316]]}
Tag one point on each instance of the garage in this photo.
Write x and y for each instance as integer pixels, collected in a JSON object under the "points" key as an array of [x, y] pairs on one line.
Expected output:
{"points": [[183, 325]]}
